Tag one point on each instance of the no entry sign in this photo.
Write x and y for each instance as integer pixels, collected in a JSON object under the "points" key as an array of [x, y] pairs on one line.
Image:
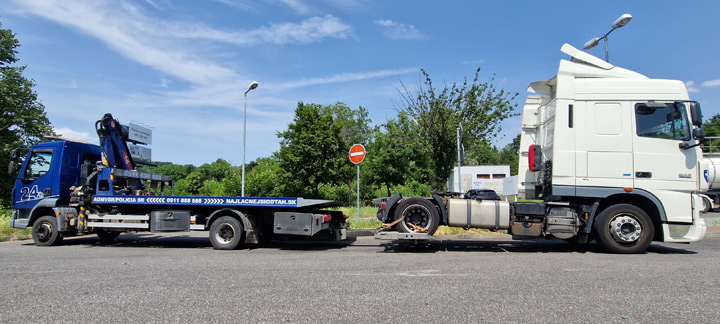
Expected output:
{"points": [[357, 153]]}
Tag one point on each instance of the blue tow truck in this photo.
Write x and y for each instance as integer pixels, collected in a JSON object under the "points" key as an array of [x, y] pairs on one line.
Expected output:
{"points": [[66, 188]]}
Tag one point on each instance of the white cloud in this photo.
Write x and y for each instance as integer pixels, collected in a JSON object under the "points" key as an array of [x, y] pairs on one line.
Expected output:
{"points": [[150, 2], [166, 46], [296, 5], [397, 31], [711, 83], [344, 77], [77, 136], [309, 31], [690, 85], [236, 4]]}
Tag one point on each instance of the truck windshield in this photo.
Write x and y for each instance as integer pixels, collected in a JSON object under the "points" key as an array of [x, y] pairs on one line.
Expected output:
{"points": [[668, 122]]}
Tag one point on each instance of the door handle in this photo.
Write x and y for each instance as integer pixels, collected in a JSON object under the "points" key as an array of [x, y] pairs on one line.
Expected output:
{"points": [[642, 174], [46, 192]]}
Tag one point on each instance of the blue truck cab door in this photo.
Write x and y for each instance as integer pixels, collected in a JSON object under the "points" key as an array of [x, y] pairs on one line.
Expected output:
{"points": [[35, 179]]}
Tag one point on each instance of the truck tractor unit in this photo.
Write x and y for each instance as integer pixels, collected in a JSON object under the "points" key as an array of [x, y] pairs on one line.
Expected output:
{"points": [[66, 188], [607, 154]]}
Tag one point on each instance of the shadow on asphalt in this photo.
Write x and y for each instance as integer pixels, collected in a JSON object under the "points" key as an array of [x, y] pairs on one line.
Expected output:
{"points": [[525, 246], [194, 242], [140, 241]]}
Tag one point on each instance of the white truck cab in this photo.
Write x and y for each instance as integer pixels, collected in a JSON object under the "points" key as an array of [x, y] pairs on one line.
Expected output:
{"points": [[602, 135]]}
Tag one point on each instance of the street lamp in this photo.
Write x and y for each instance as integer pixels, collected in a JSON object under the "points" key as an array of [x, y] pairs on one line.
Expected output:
{"points": [[252, 86], [622, 21]]}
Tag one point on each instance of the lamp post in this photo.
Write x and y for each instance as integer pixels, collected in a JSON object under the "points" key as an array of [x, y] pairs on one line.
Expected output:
{"points": [[620, 22], [252, 86]]}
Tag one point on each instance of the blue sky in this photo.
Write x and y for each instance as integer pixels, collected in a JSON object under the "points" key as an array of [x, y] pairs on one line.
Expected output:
{"points": [[181, 67]]}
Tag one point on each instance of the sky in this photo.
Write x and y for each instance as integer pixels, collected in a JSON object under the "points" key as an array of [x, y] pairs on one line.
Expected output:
{"points": [[181, 67]]}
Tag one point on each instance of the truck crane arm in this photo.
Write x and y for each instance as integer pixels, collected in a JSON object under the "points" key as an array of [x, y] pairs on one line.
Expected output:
{"points": [[113, 142]]}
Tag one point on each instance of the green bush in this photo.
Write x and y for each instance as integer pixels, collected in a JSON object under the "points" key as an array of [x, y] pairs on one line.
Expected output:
{"points": [[337, 193], [7, 232], [412, 188]]}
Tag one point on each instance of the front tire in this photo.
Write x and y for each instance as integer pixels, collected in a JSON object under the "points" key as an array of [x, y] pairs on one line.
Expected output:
{"points": [[625, 229], [707, 204], [419, 213], [45, 231], [226, 233]]}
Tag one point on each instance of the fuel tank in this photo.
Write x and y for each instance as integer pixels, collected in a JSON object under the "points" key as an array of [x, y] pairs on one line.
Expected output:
{"points": [[712, 171], [469, 213]]}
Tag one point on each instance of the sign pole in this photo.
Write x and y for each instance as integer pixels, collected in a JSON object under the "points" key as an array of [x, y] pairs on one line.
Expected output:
{"points": [[357, 155], [358, 192]]}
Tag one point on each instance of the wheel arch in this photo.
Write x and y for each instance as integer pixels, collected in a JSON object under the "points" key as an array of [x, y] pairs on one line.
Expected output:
{"points": [[42, 208], [652, 207], [247, 222]]}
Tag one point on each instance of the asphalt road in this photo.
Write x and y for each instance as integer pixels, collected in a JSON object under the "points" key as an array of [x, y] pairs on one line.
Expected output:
{"points": [[180, 278]]}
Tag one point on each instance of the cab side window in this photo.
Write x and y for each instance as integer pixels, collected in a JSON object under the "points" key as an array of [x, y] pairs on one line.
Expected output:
{"points": [[668, 122], [38, 165]]}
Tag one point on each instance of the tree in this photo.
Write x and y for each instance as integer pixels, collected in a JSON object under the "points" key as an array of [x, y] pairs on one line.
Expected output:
{"points": [[482, 153], [712, 129], [396, 154], [510, 155], [193, 183], [308, 149], [479, 107], [175, 171], [263, 179], [217, 170], [354, 129], [22, 117]]}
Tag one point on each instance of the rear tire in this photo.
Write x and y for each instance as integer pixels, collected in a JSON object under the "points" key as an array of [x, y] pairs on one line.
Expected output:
{"points": [[625, 229], [226, 233], [45, 231], [419, 212]]}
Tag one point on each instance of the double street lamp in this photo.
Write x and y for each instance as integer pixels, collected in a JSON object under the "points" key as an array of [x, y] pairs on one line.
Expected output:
{"points": [[252, 86], [622, 21]]}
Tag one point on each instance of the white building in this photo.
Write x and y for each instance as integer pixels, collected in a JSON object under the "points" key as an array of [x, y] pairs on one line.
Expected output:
{"points": [[479, 177]]}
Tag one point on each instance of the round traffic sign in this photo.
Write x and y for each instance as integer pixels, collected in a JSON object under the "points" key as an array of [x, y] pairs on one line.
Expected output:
{"points": [[357, 153]]}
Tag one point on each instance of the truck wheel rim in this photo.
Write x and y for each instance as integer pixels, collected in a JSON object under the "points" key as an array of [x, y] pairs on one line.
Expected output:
{"points": [[417, 215], [225, 233], [44, 231], [625, 229]]}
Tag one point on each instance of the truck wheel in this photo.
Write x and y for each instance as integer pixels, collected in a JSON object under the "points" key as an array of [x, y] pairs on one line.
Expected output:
{"points": [[45, 231], [226, 233], [419, 213], [107, 237], [624, 228], [707, 204]]}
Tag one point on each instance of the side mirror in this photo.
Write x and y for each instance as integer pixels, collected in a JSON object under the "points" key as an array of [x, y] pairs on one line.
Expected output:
{"points": [[10, 168], [14, 154], [695, 113], [698, 133]]}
